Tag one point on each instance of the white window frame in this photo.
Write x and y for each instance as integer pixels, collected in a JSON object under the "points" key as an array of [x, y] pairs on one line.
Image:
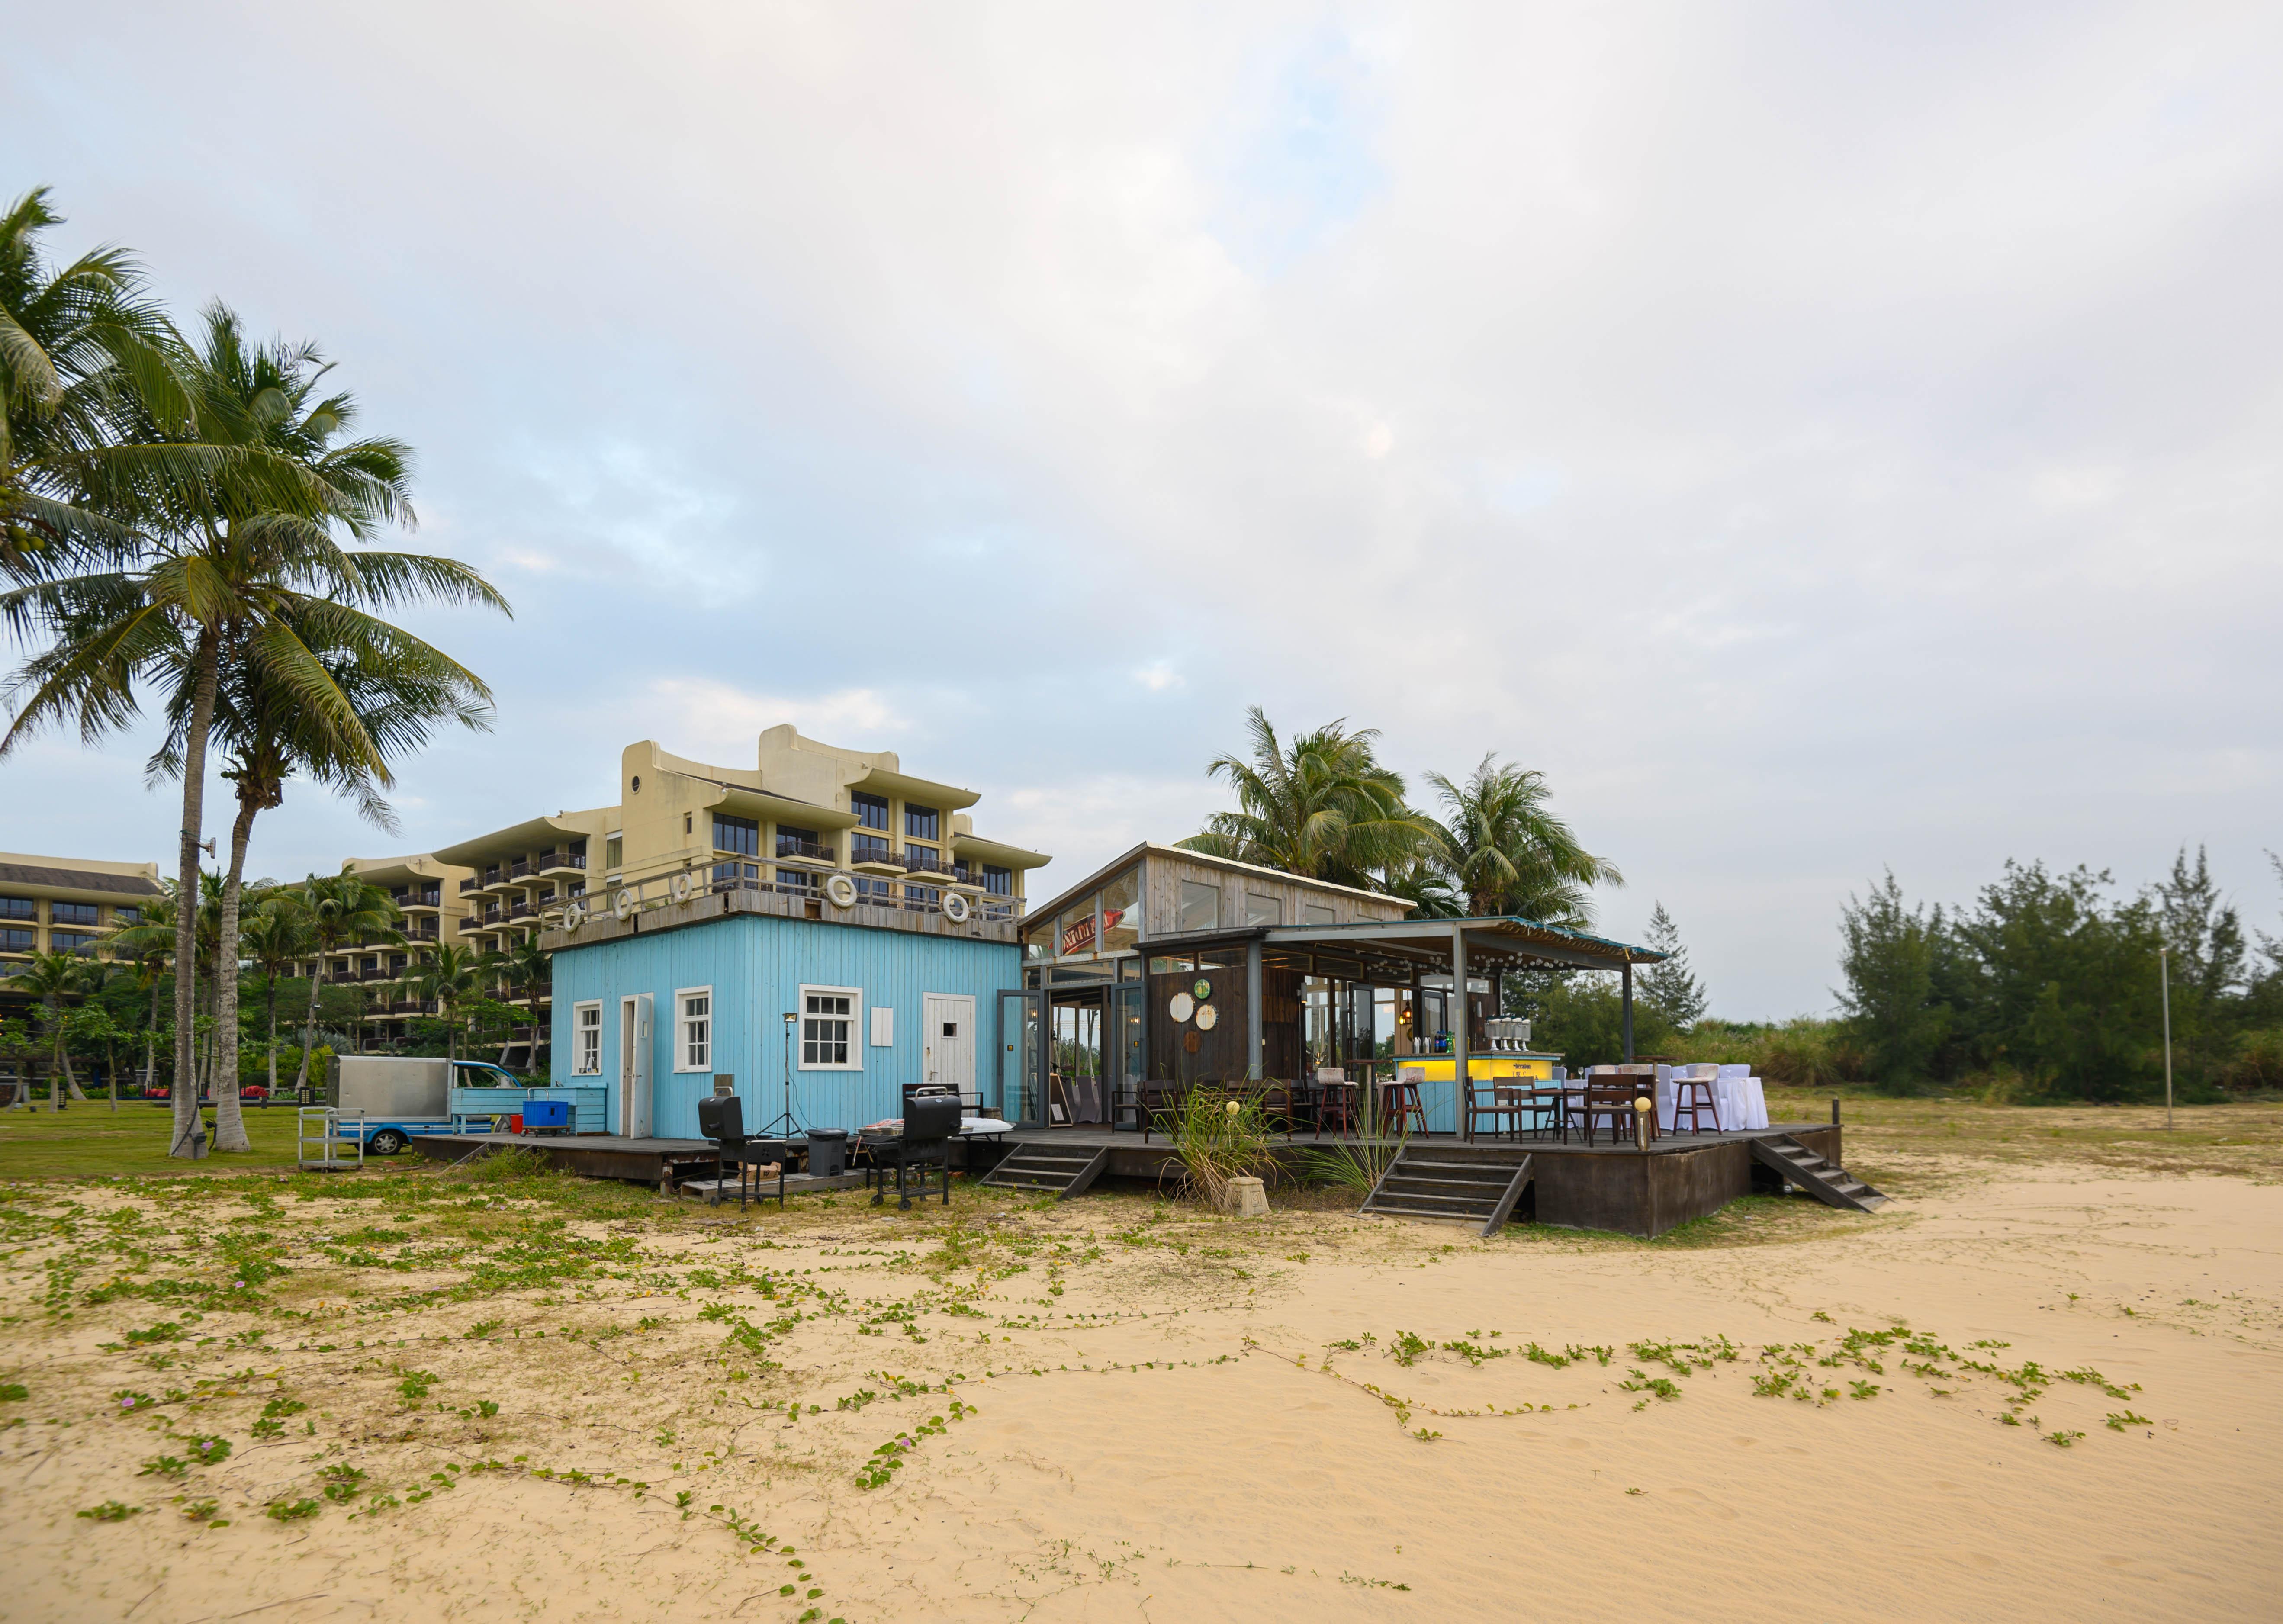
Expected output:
{"points": [[855, 1061], [580, 1032], [684, 1021]]}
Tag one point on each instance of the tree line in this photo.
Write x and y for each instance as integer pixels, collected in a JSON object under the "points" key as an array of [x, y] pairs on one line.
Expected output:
{"points": [[188, 523]]}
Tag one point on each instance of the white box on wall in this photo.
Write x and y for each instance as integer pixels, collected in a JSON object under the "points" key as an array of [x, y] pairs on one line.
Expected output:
{"points": [[883, 1028]]}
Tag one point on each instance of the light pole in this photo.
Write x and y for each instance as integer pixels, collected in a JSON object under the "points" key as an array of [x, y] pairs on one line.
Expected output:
{"points": [[784, 1123], [2165, 981]]}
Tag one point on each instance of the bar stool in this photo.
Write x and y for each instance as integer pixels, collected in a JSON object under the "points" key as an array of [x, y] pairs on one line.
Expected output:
{"points": [[1333, 1090], [1690, 1096], [1400, 1099]]}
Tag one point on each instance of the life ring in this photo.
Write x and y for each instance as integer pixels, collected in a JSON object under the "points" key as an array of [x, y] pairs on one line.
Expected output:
{"points": [[840, 891], [681, 887], [623, 904], [574, 916], [954, 908]]}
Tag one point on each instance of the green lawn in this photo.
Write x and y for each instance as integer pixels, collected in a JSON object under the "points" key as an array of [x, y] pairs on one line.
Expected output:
{"points": [[93, 1139]]}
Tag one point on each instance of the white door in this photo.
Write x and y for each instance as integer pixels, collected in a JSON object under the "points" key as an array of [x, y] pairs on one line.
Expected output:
{"points": [[633, 1066], [949, 1041]]}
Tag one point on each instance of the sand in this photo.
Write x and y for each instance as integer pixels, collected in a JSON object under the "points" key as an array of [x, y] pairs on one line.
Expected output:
{"points": [[1224, 1456]]}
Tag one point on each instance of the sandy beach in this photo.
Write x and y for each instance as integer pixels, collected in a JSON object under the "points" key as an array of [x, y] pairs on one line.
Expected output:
{"points": [[2042, 1391]]}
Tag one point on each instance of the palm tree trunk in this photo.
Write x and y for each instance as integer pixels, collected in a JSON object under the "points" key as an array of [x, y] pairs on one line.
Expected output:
{"points": [[270, 997], [186, 907], [55, 1055], [229, 1119], [151, 1040]]}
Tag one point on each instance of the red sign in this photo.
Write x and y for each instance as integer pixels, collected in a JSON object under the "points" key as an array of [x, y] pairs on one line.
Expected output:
{"points": [[1077, 936]]}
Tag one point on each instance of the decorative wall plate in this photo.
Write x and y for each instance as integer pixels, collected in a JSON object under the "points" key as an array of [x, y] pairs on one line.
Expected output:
{"points": [[1208, 1018], [1204, 990], [1179, 1009]]}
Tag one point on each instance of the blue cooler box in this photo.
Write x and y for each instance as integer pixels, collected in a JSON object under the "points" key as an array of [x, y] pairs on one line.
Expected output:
{"points": [[547, 1116]]}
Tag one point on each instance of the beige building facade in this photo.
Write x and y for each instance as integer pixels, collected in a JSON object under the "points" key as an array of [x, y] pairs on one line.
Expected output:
{"points": [[68, 904]]}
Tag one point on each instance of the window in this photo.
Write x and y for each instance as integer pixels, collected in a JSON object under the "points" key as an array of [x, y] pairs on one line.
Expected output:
{"points": [[998, 881], [72, 913], [741, 835], [19, 908], [921, 822], [1260, 909], [1318, 913], [614, 848], [796, 880], [828, 1024], [927, 858], [587, 1039], [868, 849], [1200, 906], [883, 1028], [72, 942], [879, 893], [1121, 914], [793, 842], [693, 1038], [871, 810], [13, 940], [1074, 932], [922, 898]]}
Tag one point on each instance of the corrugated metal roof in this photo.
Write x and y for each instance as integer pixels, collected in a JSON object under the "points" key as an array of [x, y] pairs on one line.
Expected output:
{"points": [[77, 879]]}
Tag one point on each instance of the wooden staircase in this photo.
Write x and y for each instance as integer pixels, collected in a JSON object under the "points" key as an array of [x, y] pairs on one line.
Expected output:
{"points": [[1043, 1167], [1471, 1184], [1833, 1185]]}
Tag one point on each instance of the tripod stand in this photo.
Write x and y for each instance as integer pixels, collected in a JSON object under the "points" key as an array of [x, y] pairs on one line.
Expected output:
{"points": [[782, 1126]]}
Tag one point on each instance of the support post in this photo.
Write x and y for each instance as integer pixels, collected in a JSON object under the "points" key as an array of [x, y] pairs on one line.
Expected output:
{"points": [[1460, 1083], [2164, 979], [1252, 1009], [1629, 1011]]}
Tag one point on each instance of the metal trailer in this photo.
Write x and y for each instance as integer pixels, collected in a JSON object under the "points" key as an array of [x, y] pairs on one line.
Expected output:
{"points": [[392, 1098]]}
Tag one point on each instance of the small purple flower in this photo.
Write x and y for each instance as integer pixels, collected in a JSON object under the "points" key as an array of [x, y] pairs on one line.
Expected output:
{"points": [[126, 1403], [240, 1284]]}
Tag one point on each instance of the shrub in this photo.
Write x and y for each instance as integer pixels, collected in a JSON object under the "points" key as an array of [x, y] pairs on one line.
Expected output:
{"points": [[1217, 1139]]}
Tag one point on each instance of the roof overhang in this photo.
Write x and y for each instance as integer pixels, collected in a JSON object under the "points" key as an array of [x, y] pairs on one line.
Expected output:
{"points": [[1494, 942], [500, 842], [903, 786], [997, 851]]}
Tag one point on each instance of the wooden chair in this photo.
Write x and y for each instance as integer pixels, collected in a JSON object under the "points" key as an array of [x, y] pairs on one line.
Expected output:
{"points": [[1159, 1099], [1539, 1104], [1610, 1099], [1690, 1096], [1496, 1102]]}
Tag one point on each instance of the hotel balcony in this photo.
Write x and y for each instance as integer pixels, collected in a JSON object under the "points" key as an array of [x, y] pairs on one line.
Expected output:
{"points": [[559, 863], [921, 860], [870, 858], [791, 845]]}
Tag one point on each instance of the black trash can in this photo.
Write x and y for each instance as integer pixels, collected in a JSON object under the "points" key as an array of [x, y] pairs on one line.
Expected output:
{"points": [[828, 1152]]}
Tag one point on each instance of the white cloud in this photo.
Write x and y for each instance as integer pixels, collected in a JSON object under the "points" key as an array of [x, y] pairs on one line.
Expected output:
{"points": [[715, 722]]}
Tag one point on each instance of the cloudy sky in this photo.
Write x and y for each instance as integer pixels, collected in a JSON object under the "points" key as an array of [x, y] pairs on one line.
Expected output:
{"points": [[1819, 437]]}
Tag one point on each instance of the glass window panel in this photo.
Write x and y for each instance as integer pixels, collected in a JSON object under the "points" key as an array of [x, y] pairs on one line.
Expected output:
{"points": [[1200, 906], [920, 822], [871, 810], [1260, 909], [1074, 932], [1318, 913], [1121, 913]]}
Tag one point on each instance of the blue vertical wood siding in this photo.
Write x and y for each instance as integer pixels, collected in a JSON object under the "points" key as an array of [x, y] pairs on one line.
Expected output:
{"points": [[756, 965]]}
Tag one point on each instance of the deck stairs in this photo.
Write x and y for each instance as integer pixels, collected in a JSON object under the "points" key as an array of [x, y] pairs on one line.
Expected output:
{"points": [[1043, 1167], [1472, 1184], [1827, 1182]]}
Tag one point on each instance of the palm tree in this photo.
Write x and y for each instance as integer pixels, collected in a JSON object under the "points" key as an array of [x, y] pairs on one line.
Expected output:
{"points": [[530, 967], [1321, 808], [225, 561], [1507, 854], [74, 341], [276, 935], [345, 911], [52, 977], [148, 944], [390, 691], [452, 974]]}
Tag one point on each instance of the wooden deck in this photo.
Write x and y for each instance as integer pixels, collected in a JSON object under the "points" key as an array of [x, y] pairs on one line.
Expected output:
{"points": [[1604, 1186]]}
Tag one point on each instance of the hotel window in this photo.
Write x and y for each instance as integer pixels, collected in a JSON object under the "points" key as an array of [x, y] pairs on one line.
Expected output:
{"points": [[871, 810], [15, 940], [124, 917], [922, 899], [72, 913], [1200, 906], [926, 856], [693, 1046], [998, 882], [793, 842], [797, 879], [1260, 909], [614, 848], [879, 893], [741, 835], [72, 942], [920, 822], [587, 1039], [828, 1017], [19, 908], [868, 848]]}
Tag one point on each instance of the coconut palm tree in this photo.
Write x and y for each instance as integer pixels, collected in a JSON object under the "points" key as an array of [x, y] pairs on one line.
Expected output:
{"points": [[148, 944], [1322, 806], [391, 692], [528, 967], [77, 342], [224, 560], [1507, 854], [276, 932], [54, 979], [452, 974], [345, 911]]}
